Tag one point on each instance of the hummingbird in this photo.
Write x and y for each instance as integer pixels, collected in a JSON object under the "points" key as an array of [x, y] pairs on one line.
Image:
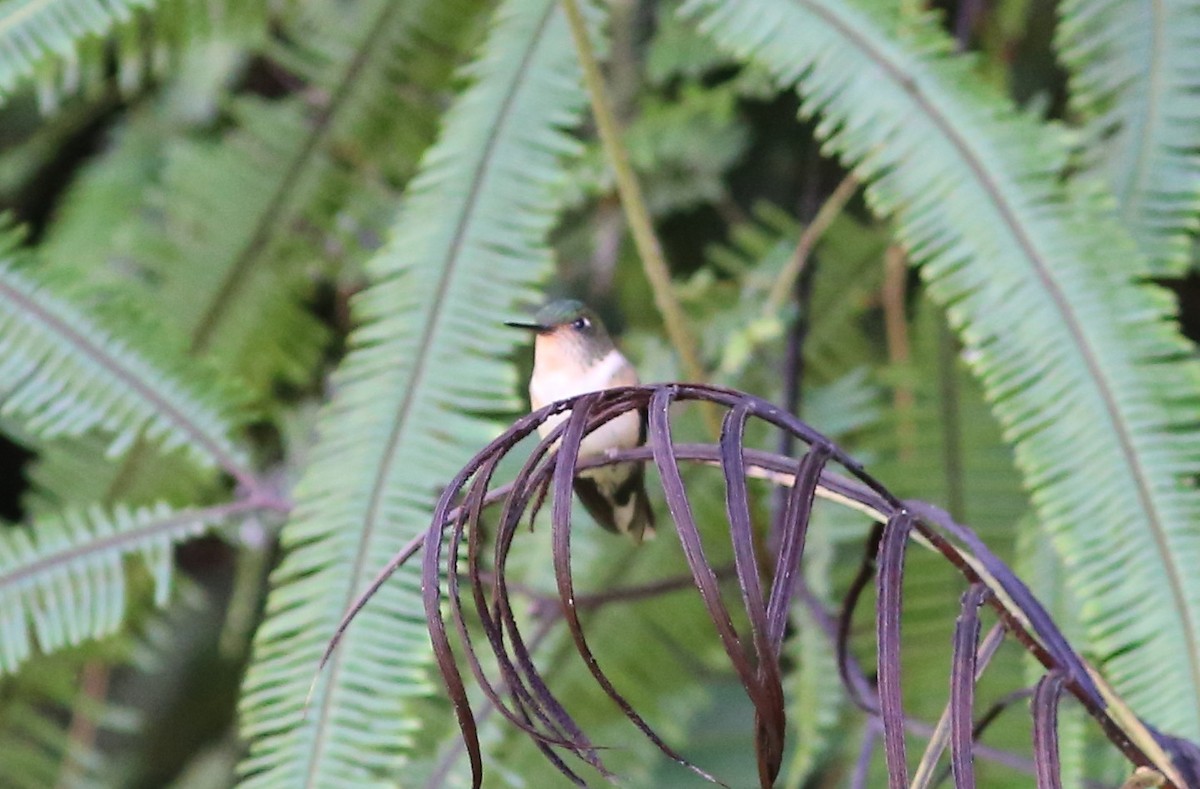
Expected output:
{"points": [[573, 354]]}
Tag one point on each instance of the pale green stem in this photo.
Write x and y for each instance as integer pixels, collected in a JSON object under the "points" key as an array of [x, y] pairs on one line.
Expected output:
{"points": [[649, 250], [941, 733], [785, 283]]}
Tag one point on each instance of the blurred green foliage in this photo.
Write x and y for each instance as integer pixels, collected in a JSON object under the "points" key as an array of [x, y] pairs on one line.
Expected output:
{"points": [[253, 268]]}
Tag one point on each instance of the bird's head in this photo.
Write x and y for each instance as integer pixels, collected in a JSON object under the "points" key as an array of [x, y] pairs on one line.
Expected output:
{"points": [[569, 327]]}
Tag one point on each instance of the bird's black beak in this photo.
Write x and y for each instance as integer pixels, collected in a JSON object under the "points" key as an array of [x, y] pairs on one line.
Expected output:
{"points": [[535, 327]]}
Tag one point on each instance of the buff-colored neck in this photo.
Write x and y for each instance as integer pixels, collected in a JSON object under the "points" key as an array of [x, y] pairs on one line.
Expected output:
{"points": [[561, 351]]}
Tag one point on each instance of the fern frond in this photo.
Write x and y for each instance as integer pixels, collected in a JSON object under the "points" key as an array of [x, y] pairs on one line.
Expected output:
{"points": [[62, 580], [43, 733], [33, 32], [945, 446], [385, 95], [230, 242], [57, 41], [226, 207], [1081, 748], [93, 220], [735, 334], [1027, 273], [63, 373], [75, 472], [467, 248], [679, 52], [1136, 84], [680, 147], [37, 703]]}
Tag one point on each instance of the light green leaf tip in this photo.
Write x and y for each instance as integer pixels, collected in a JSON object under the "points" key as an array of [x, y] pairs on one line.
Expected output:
{"points": [[63, 580], [62, 41], [1136, 85], [64, 372]]}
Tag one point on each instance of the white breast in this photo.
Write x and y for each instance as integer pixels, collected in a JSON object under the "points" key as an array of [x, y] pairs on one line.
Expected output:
{"points": [[548, 386]]}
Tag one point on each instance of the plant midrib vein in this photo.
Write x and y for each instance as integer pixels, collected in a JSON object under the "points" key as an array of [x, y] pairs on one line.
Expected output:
{"points": [[908, 85], [399, 424], [98, 355]]}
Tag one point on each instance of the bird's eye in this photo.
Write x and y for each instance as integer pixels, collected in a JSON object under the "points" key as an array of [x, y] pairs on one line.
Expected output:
{"points": [[581, 323]]}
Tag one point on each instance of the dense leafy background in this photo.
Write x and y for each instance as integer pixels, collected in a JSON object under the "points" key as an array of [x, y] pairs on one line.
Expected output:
{"points": [[253, 266]]}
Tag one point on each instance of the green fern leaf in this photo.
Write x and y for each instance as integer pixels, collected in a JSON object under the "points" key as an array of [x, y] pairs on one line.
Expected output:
{"points": [[215, 258], [62, 581], [680, 148], [65, 373], [1135, 81], [36, 702], [228, 245], [728, 310], [1090, 403], [91, 222], [46, 702], [60, 40], [376, 121], [467, 248], [35, 31], [75, 472], [945, 446]]}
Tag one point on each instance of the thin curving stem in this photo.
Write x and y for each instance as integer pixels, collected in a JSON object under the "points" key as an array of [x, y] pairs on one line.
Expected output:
{"points": [[971, 659], [866, 752], [993, 712], [531, 480], [770, 719], [431, 592], [963, 675], [767, 701], [560, 516], [866, 571], [524, 702], [887, 628], [527, 699], [1045, 730], [794, 528]]}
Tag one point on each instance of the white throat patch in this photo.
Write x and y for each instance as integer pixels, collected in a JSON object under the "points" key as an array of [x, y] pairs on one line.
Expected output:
{"points": [[550, 385]]}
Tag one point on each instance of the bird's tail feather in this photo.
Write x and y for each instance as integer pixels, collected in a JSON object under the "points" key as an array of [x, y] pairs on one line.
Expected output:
{"points": [[641, 525]]}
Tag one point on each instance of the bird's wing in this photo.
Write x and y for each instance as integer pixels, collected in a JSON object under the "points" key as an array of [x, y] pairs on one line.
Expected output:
{"points": [[598, 506]]}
